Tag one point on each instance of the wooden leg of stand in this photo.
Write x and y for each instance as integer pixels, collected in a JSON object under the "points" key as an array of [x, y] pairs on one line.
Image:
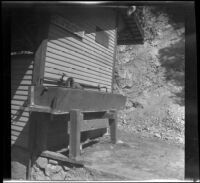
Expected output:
{"points": [[113, 126], [32, 136], [75, 119]]}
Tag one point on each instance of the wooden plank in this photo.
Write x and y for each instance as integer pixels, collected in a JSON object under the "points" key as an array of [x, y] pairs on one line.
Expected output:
{"points": [[22, 82], [89, 47], [15, 133], [31, 143], [81, 67], [19, 107], [97, 67], [84, 72], [14, 111], [21, 119], [76, 117], [16, 66], [113, 127], [91, 15], [78, 48], [77, 79], [115, 52], [21, 72], [40, 53], [22, 77], [93, 124], [81, 54], [19, 92], [63, 59], [19, 87], [49, 76], [79, 58], [89, 38], [95, 19], [59, 33], [21, 124], [89, 26], [15, 128], [17, 102], [76, 74], [60, 157], [41, 132], [21, 140], [65, 99], [20, 97]]}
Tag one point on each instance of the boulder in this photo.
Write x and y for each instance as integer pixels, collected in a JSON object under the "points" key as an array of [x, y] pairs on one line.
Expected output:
{"points": [[41, 162], [54, 162], [58, 176]]}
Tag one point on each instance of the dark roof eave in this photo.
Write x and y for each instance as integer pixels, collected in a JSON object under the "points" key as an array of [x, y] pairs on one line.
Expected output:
{"points": [[133, 33], [130, 42]]}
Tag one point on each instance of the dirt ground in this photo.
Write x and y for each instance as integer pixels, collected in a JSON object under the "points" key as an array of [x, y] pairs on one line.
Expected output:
{"points": [[151, 143], [133, 158]]}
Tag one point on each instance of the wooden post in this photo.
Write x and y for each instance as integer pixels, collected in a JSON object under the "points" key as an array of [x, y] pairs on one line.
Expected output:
{"points": [[32, 131], [42, 132], [113, 126], [76, 117]]}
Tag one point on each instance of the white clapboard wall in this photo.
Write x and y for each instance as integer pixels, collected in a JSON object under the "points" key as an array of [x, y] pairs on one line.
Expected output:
{"points": [[21, 79], [79, 55]]}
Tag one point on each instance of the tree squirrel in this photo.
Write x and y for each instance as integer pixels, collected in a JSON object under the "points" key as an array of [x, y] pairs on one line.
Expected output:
{"points": [[70, 83]]}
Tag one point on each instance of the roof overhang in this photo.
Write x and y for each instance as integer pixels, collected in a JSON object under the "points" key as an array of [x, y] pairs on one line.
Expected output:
{"points": [[132, 33]]}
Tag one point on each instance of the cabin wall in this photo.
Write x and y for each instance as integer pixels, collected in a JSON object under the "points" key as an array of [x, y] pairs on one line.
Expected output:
{"points": [[21, 79], [82, 58]]}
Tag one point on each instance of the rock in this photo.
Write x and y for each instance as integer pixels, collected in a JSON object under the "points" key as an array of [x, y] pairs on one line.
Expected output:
{"points": [[41, 162], [18, 170], [157, 135], [66, 168], [120, 142], [146, 128], [52, 169], [39, 176], [129, 104], [137, 105], [58, 176], [54, 162], [36, 169]]}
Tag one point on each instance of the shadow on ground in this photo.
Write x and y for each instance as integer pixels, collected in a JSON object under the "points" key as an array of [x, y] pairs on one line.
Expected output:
{"points": [[172, 58], [137, 158]]}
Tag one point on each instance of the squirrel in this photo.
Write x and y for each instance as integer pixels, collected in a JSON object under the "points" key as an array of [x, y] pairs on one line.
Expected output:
{"points": [[70, 83]]}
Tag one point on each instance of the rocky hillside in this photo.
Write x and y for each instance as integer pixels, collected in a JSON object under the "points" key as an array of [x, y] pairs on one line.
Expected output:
{"points": [[152, 77]]}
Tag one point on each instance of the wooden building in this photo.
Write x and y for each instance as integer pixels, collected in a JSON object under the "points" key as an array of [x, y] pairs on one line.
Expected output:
{"points": [[79, 42]]}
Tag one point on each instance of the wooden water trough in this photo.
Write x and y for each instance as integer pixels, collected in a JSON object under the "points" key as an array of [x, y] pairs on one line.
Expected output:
{"points": [[78, 104], [59, 100]]}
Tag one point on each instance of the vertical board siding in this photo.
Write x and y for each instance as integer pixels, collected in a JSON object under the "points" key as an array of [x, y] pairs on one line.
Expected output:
{"points": [[82, 58], [21, 79]]}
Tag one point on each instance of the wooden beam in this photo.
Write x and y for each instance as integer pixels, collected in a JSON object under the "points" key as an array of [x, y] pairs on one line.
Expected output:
{"points": [[115, 47], [113, 126], [76, 117], [31, 144], [42, 132], [40, 52], [60, 157], [68, 99]]}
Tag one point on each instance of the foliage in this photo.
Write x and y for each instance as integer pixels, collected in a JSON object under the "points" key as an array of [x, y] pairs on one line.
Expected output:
{"points": [[154, 18]]}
